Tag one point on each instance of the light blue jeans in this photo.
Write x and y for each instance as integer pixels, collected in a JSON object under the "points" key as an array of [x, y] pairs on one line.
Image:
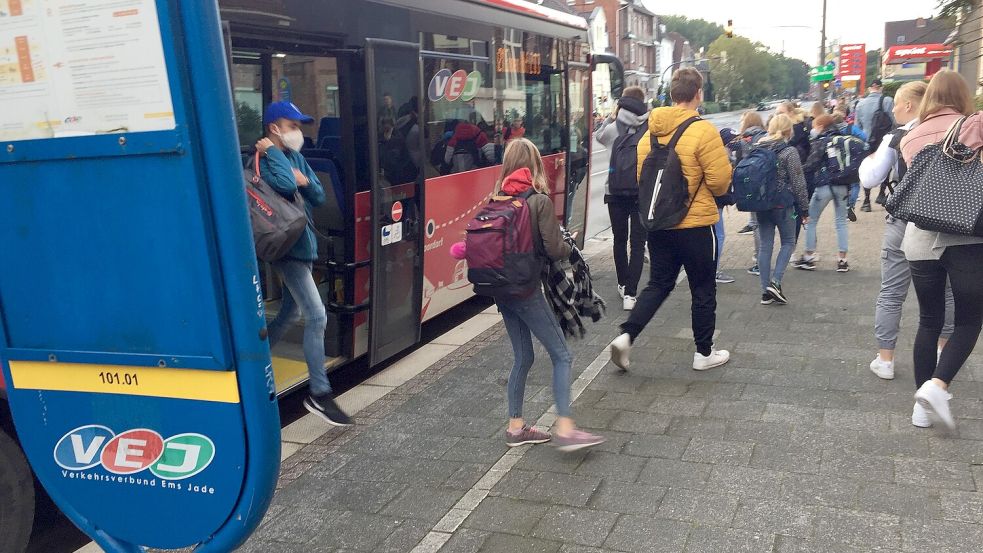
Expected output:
{"points": [[300, 296], [721, 234], [523, 319], [785, 221], [839, 195], [854, 193]]}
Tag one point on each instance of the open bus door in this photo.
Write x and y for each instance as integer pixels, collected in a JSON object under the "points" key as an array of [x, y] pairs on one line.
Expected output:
{"points": [[393, 87], [578, 103]]}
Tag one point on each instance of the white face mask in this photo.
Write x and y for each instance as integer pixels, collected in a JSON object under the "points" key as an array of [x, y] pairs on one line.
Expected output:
{"points": [[292, 139]]}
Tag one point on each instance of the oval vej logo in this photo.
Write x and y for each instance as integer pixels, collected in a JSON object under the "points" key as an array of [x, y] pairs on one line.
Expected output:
{"points": [[132, 451], [79, 449], [184, 455]]}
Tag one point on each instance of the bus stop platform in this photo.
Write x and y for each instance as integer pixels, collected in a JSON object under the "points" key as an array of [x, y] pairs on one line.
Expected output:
{"points": [[794, 446]]}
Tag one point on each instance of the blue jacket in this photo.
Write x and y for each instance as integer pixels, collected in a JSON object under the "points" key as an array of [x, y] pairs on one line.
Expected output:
{"points": [[867, 107], [276, 168]]}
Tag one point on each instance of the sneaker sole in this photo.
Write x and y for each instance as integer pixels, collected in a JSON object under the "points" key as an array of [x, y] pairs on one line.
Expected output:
{"points": [[324, 417], [525, 442], [882, 377], [842, 270], [950, 424], [925, 425], [769, 302], [778, 298], [714, 366], [806, 268], [577, 447]]}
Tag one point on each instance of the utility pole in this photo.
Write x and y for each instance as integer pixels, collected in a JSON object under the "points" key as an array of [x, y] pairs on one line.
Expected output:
{"points": [[822, 52]]}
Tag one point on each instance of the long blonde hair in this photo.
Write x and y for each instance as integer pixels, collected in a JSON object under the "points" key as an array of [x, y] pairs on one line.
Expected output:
{"points": [[817, 109], [779, 128], [947, 89], [751, 119], [520, 153], [794, 112]]}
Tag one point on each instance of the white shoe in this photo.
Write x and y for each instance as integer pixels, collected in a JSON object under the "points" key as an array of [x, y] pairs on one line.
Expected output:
{"points": [[621, 290], [920, 418], [716, 358], [935, 401], [620, 350], [628, 303], [883, 369]]}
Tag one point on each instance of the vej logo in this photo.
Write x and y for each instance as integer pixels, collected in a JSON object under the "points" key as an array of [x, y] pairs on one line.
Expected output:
{"points": [[460, 84], [133, 451]]}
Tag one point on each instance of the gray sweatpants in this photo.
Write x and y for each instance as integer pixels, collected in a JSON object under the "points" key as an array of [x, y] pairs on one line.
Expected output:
{"points": [[895, 282]]}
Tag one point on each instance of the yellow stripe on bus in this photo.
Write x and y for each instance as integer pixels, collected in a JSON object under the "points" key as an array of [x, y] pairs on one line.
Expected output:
{"points": [[219, 386]]}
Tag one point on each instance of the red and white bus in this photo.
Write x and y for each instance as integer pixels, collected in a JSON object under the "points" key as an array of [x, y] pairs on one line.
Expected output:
{"points": [[392, 83]]}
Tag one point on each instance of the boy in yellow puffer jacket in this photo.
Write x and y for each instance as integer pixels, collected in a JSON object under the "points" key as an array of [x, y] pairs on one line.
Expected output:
{"points": [[693, 243]]}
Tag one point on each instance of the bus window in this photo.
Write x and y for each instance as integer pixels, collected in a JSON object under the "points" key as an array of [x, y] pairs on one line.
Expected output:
{"points": [[311, 82], [247, 87], [459, 111]]}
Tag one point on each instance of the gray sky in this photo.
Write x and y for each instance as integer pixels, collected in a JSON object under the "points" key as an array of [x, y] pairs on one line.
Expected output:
{"points": [[851, 21]]}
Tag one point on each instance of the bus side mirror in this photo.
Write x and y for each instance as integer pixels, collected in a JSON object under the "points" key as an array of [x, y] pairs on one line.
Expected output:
{"points": [[616, 72]]}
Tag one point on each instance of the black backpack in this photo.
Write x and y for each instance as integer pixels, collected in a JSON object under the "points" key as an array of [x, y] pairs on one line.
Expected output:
{"points": [[663, 191], [880, 125], [623, 172]]}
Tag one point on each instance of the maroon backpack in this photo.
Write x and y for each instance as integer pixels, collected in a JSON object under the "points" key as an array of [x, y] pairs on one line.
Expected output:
{"points": [[501, 256]]}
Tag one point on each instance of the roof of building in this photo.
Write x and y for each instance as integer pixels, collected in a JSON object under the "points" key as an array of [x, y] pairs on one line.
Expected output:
{"points": [[916, 31]]}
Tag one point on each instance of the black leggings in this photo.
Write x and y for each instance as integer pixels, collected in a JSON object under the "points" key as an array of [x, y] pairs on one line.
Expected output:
{"points": [[626, 225], [963, 266]]}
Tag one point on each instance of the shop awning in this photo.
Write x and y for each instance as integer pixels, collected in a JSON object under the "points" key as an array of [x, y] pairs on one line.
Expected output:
{"points": [[916, 53]]}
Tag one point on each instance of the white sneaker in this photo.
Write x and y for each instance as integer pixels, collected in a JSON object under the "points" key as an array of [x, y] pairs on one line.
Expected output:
{"points": [[883, 369], [628, 303], [716, 358], [620, 350], [920, 418], [621, 290], [935, 401]]}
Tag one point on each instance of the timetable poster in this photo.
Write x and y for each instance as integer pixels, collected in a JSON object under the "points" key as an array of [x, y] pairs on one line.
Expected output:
{"points": [[78, 68]]}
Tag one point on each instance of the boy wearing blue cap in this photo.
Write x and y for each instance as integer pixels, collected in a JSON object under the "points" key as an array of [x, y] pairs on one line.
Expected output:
{"points": [[284, 168]]}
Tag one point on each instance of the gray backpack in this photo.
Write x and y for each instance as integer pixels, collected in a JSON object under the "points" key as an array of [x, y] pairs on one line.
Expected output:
{"points": [[276, 221]]}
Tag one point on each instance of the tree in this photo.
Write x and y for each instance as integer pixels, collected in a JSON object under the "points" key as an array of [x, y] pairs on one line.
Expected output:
{"points": [[699, 32], [873, 64], [951, 8], [747, 74]]}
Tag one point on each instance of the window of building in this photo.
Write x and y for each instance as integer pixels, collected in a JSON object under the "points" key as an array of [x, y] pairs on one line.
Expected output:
{"points": [[901, 39]]}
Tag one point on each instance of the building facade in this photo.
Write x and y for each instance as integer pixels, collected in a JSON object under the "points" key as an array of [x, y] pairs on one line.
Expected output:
{"points": [[914, 49]]}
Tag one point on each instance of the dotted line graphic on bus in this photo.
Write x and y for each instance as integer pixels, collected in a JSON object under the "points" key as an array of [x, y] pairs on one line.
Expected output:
{"points": [[433, 227]]}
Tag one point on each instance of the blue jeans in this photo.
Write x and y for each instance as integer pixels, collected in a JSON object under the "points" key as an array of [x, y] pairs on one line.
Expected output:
{"points": [[785, 221], [524, 318], [721, 234], [854, 193], [300, 296], [838, 194]]}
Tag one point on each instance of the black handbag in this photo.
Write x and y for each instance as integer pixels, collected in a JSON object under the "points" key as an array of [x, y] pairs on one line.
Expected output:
{"points": [[277, 222], [943, 188]]}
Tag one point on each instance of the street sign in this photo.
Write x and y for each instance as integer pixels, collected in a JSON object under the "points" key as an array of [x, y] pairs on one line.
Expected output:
{"points": [[139, 380], [820, 74]]}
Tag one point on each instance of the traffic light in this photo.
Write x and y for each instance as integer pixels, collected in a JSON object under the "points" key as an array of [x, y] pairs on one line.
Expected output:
{"points": [[729, 29]]}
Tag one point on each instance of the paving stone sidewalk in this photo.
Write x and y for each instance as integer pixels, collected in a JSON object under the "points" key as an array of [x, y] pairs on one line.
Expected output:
{"points": [[792, 447]]}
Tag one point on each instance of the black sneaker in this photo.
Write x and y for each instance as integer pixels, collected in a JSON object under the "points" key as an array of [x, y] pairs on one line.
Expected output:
{"points": [[766, 299], [806, 264], [754, 270], [851, 214], [866, 207], [775, 291], [748, 229], [842, 266], [325, 407], [881, 198]]}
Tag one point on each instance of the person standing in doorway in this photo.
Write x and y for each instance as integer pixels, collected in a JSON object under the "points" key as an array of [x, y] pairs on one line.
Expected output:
{"points": [[691, 244], [284, 168]]}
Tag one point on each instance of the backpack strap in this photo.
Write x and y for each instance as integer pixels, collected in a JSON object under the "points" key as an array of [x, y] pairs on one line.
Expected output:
{"points": [[880, 103], [680, 130]]}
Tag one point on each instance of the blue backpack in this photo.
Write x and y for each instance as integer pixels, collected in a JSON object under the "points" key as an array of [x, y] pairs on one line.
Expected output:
{"points": [[755, 181]]}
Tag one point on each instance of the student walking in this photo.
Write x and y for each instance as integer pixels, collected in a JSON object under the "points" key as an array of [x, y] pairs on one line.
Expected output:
{"points": [[886, 165], [936, 257], [286, 171], [790, 191], [692, 243], [526, 313], [620, 134]]}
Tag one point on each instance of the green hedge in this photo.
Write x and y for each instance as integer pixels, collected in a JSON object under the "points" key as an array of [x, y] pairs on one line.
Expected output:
{"points": [[712, 107], [979, 102]]}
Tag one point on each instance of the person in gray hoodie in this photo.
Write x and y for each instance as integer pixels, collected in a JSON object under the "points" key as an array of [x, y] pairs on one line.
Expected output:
{"points": [[620, 134]]}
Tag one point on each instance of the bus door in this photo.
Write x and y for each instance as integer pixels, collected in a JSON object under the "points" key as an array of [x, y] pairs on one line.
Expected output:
{"points": [[394, 86], [578, 149]]}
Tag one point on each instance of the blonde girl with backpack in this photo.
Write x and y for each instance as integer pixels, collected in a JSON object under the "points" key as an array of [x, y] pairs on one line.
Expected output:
{"points": [[525, 317]]}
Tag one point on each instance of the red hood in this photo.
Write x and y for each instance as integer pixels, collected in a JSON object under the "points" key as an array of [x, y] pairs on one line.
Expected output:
{"points": [[518, 182], [467, 131]]}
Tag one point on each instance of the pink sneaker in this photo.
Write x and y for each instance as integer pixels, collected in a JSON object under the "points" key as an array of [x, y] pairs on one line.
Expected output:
{"points": [[526, 436], [578, 439]]}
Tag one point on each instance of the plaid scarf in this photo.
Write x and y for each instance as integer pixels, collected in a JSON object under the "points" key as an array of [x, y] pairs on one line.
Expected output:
{"points": [[574, 299]]}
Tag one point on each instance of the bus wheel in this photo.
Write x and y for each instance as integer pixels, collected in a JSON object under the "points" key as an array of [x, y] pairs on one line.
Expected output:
{"points": [[17, 491]]}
